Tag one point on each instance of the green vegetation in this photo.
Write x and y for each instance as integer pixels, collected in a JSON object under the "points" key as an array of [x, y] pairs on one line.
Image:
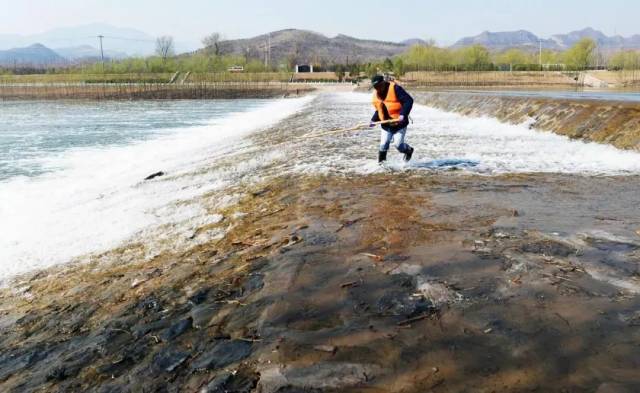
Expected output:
{"points": [[580, 55], [211, 64], [195, 63], [473, 58], [515, 56], [625, 60]]}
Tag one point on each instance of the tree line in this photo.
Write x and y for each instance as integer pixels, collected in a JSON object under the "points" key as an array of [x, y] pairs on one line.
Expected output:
{"points": [[421, 57]]}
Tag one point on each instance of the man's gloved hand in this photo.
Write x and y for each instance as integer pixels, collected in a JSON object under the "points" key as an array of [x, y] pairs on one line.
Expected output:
{"points": [[372, 124], [399, 120]]}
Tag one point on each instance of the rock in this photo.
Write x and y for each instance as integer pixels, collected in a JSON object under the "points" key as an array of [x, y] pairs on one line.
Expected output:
{"points": [[217, 385], [145, 328], [221, 315], [611, 387], [253, 283], [548, 247], [223, 354], [400, 303], [260, 192], [318, 238], [154, 175], [148, 304], [396, 258], [437, 293], [199, 297], [57, 373], [322, 376], [242, 380], [70, 366], [325, 348], [203, 314], [177, 329], [12, 362], [169, 359], [117, 368], [138, 281]]}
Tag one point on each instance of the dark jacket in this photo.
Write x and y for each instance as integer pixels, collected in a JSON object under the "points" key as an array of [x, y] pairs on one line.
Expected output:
{"points": [[407, 105]]}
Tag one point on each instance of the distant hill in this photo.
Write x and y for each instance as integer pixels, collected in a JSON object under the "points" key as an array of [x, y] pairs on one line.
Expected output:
{"points": [[33, 55], [87, 52], [133, 42], [605, 42], [526, 40], [504, 40], [301, 46], [414, 41]]}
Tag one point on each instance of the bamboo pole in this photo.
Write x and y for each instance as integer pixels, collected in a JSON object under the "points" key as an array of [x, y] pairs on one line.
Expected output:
{"points": [[354, 128]]}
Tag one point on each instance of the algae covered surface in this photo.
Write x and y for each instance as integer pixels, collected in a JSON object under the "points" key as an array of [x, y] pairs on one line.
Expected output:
{"points": [[329, 284], [416, 280]]}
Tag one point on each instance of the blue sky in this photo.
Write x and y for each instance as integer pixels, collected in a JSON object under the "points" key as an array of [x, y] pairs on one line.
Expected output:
{"points": [[444, 21]]}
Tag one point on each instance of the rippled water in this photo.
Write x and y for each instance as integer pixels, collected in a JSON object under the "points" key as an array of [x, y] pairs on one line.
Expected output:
{"points": [[34, 132], [84, 192]]}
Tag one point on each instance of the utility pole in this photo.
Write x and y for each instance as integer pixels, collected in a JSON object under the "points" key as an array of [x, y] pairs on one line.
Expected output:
{"points": [[540, 53], [269, 50], [100, 37]]}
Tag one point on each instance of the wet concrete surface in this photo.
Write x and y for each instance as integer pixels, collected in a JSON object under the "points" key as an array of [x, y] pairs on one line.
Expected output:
{"points": [[389, 282], [614, 122]]}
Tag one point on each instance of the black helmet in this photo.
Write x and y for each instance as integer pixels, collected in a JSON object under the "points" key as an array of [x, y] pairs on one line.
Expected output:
{"points": [[376, 79]]}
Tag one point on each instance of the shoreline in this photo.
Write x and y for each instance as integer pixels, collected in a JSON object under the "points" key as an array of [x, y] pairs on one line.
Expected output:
{"points": [[146, 91]]}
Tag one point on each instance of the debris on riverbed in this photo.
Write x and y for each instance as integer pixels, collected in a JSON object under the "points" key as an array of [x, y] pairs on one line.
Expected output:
{"points": [[301, 297], [154, 175]]}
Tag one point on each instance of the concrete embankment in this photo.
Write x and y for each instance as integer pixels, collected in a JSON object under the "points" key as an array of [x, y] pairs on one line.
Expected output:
{"points": [[613, 122]]}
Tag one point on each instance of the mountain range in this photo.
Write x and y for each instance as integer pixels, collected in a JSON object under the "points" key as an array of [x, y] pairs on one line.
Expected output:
{"points": [[32, 55], [526, 40], [290, 46], [302, 46]]}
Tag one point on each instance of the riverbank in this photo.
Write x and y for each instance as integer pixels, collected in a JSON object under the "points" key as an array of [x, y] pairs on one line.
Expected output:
{"points": [[141, 91], [383, 283], [612, 122], [522, 79]]}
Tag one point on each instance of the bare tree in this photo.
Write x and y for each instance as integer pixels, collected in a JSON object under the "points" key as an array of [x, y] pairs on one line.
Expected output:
{"points": [[164, 47], [212, 43]]}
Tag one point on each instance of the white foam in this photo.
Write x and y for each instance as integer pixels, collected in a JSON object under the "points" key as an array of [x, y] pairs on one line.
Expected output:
{"points": [[481, 145], [96, 199], [500, 147]]}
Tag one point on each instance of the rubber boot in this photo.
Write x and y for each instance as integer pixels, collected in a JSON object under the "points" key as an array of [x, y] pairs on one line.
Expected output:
{"points": [[408, 154], [382, 157]]}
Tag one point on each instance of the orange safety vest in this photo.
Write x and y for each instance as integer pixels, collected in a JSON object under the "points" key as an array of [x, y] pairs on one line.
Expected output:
{"points": [[394, 107]]}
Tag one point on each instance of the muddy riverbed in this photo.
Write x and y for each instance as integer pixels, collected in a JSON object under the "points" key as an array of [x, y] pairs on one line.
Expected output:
{"points": [[321, 274]]}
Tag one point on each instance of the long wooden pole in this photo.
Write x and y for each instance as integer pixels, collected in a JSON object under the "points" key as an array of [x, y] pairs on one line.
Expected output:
{"points": [[354, 128]]}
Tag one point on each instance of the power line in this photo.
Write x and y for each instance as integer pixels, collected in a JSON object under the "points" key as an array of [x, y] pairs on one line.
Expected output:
{"points": [[128, 39]]}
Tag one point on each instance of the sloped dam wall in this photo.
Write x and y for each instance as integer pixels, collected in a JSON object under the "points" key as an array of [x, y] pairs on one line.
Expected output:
{"points": [[613, 122]]}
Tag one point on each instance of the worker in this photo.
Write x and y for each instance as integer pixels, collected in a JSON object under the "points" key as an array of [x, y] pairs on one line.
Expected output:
{"points": [[392, 102]]}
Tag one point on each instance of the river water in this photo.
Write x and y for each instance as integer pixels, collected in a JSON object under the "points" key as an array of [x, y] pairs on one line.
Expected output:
{"points": [[71, 174]]}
